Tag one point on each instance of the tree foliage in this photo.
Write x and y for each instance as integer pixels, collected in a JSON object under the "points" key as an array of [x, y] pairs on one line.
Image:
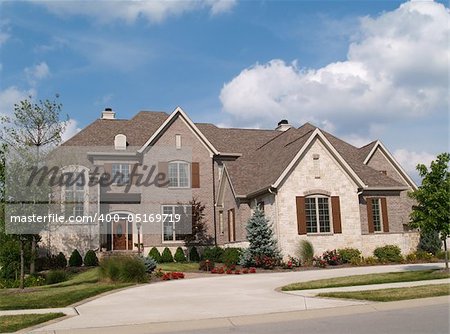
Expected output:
{"points": [[432, 209], [262, 241]]}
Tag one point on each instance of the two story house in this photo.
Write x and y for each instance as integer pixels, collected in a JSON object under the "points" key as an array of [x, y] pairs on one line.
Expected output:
{"points": [[310, 184]]}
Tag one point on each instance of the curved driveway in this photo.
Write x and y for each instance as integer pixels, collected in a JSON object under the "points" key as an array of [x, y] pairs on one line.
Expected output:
{"points": [[211, 297]]}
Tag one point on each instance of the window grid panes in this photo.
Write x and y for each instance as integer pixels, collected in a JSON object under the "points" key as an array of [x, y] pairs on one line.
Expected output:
{"points": [[74, 195], [376, 214], [317, 210], [179, 174], [121, 173], [176, 230]]}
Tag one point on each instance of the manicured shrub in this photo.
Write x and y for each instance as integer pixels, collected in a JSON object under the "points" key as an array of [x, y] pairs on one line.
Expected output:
{"points": [[306, 252], [206, 265], [123, 269], [213, 254], [348, 254], [441, 255], [370, 260], [179, 255], [59, 261], [231, 256], [56, 276], [429, 242], [90, 259], [155, 254], [332, 257], [424, 256], [388, 253], [75, 259], [149, 263], [193, 255], [166, 256]]}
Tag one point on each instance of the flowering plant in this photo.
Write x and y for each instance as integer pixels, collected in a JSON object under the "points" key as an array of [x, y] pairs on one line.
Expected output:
{"points": [[319, 262], [332, 257], [252, 270]]}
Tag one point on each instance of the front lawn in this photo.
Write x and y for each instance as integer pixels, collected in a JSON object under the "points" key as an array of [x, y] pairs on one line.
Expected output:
{"points": [[13, 323], [79, 287], [388, 295], [179, 266], [407, 276]]}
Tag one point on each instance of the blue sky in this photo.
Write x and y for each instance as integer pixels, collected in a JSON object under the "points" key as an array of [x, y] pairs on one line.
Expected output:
{"points": [[360, 69]]}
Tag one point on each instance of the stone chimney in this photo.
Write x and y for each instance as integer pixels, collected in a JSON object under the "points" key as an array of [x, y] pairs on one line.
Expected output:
{"points": [[283, 125], [108, 113]]}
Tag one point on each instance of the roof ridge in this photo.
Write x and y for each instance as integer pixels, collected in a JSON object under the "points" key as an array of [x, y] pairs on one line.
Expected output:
{"points": [[372, 142], [272, 139], [301, 136]]}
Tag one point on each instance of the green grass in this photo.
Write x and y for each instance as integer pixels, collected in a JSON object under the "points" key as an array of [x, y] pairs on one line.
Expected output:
{"points": [[13, 323], [178, 266], [79, 287], [388, 295], [407, 276]]}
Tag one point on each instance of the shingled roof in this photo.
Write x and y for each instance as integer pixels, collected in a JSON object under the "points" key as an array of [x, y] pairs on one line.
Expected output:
{"points": [[265, 153]]}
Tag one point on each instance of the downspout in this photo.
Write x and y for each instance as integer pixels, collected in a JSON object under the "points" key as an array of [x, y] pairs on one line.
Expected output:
{"points": [[214, 201]]}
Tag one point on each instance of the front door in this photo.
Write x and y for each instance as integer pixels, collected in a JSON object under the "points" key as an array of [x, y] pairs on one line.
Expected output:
{"points": [[120, 235]]}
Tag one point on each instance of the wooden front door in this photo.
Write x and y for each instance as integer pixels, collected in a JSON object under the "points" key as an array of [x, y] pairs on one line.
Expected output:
{"points": [[120, 235]]}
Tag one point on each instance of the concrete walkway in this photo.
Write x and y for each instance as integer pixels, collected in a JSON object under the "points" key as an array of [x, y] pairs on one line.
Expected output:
{"points": [[212, 297]]}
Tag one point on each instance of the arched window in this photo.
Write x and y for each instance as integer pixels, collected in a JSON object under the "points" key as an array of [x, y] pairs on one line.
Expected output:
{"points": [[317, 210], [179, 174]]}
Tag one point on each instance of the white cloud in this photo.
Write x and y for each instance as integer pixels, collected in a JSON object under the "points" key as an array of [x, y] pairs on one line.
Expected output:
{"points": [[410, 159], [71, 129], [396, 68], [154, 11], [37, 72], [4, 32], [11, 96]]}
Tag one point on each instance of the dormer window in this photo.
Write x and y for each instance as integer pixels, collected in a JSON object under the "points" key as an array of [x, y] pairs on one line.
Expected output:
{"points": [[120, 142]]}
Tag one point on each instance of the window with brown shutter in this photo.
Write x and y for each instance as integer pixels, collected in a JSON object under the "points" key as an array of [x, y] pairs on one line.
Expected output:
{"points": [[301, 216], [195, 177], [336, 211], [384, 214]]}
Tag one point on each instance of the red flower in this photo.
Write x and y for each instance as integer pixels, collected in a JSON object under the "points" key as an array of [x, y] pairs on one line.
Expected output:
{"points": [[245, 271], [237, 272], [252, 270], [229, 271]]}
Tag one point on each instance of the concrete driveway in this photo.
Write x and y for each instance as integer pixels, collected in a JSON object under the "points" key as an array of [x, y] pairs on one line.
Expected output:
{"points": [[217, 296]]}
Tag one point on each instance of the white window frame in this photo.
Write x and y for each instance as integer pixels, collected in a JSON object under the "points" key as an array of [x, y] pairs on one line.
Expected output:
{"points": [[379, 211], [125, 177], [188, 172], [317, 214], [174, 229], [84, 191]]}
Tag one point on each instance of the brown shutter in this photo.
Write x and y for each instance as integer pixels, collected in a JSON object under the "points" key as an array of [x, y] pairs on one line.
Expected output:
{"points": [[336, 208], [195, 175], [163, 169], [134, 174], [108, 171], [384, 214], [370, 215], [301, 215]]}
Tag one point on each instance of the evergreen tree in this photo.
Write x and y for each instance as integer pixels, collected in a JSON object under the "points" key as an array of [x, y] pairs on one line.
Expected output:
{"points": [[263, 244]]}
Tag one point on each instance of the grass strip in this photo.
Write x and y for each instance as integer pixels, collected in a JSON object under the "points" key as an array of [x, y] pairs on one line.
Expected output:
{"points": [[13, 323], [394, 277], [393, 294]]}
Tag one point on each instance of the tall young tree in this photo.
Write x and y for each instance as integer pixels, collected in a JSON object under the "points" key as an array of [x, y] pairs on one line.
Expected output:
{"points": [[261, 239], [432, 211], [36, 126]]}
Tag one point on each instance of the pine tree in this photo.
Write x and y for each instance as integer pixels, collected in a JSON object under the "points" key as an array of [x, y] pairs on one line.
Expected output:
{"points": [[263, 244]]}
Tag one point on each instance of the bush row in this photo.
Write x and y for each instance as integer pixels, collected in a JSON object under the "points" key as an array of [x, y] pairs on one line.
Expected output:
{"points": [[60, 261]]}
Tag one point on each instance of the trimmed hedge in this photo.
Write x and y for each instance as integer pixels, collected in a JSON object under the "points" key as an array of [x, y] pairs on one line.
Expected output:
{"points": [[166, 256], [231, 256], [75, 259], [388, 253], [349, 254], [90, 259], [179, 255], [193, 255], [155, 254], [213, 254]]}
